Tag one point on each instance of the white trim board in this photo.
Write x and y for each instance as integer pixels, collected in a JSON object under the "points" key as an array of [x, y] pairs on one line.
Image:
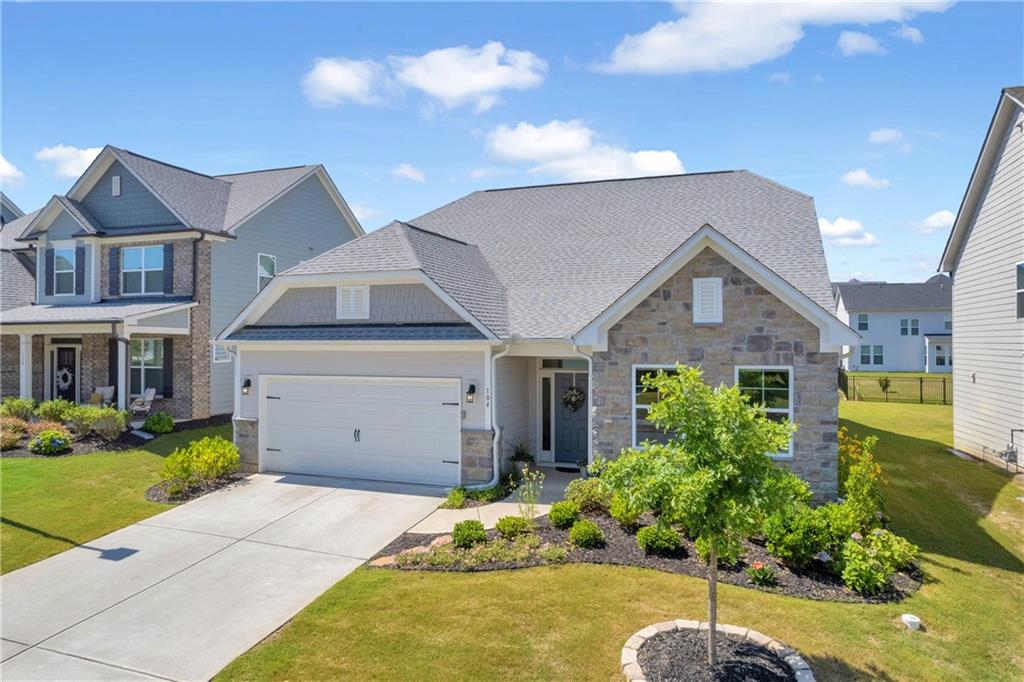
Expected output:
{"points": [[833, 334]]}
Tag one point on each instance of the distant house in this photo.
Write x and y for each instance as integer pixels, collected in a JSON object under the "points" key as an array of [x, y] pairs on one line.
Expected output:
{"points": [[17, 260], [985, 256], [904, 327]]}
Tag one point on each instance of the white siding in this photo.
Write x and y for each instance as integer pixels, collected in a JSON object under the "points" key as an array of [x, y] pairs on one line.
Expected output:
{"points": [[901, 353], [988, 372], [466, 365], [512, 402]]}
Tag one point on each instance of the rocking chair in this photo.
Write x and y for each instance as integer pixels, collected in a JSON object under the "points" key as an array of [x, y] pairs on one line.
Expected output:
{"points": [[140, 407]]}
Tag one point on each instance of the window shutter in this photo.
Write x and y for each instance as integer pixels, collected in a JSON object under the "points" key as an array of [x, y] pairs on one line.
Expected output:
{"points": [[48, 272], [707, 300], [169, 268], [112, 362], [79, 270], [168, 391], [115, 271]]}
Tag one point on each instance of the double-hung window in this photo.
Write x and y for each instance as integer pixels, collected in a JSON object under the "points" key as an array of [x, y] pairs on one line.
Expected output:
{"points": [[142, 270], [147, 365], [862, 322], [947, 322], [878, 357], [865, 355], [643, 397], [771, 387], [909, 327], [63, 272], [940, 356], [266, 270]]}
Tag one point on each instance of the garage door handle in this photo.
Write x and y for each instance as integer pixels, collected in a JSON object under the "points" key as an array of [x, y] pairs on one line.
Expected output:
{"points": [[455, 404], [448, 461], [273, 397], [273, 449]]}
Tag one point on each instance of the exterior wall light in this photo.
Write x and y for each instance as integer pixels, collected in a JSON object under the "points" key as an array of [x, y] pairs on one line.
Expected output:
{"points": [[471, 394], [246, 385]]}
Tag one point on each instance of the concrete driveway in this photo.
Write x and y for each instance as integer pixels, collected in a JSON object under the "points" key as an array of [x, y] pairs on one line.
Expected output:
{"points": [[180, 595]]}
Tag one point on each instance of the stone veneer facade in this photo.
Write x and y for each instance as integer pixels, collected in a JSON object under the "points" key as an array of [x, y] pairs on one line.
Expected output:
{"points": [[758, 329]]}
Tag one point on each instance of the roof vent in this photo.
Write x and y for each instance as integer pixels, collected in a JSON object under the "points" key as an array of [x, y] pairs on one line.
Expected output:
{"points": [[115, 186]]}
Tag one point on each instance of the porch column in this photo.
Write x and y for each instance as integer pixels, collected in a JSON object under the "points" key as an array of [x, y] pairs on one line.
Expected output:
{"points": [[122, 370], [25, 365]]}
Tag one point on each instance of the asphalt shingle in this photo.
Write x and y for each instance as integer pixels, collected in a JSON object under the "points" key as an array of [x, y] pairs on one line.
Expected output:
{"points": [[936, 293], [106, 311], [360, 332]]}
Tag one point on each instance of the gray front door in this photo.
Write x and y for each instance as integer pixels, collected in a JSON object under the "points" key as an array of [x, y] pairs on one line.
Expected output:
{"points": [[570, 425]]}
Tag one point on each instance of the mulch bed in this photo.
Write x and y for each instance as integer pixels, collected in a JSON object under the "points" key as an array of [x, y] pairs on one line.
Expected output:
{"points": [[158, 492], [92, 443], [621, 549], [681, 656]]}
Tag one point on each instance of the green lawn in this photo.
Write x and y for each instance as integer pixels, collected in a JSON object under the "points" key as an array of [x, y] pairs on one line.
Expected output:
{"points": [[570, 622], [50, 505]]}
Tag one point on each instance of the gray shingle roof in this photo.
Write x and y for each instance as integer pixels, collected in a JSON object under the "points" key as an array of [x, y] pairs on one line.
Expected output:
{"points": [[10, 232], [936, 293], [106, 311], [562, 254], [89, 224], [17, 279], [360, 332], [249, 191]]}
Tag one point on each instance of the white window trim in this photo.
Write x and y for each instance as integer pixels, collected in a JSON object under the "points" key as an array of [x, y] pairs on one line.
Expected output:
{"points": [[718, 312], [877, 349], [788, 454], [364, 313], [143, 367], [141, 269], [225, 357], [633, 404], [56, 271], [258, 275], [867, 322], [860, 352], [947, 323]]}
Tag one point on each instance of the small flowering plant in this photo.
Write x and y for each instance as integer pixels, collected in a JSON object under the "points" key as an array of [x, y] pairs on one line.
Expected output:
{"points": [[762, 574], [49, 443]]}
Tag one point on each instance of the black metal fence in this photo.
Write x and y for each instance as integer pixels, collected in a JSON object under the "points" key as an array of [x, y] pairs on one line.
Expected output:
{"points": [[897, 389]]}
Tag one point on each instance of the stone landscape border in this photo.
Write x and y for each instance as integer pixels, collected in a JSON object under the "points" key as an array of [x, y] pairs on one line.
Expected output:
{"points": [[633, 672]]}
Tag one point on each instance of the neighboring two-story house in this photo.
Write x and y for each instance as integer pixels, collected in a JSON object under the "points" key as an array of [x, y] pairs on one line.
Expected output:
{"points": [[141, 263], [904, 327], [985, 257], [17, 260]]}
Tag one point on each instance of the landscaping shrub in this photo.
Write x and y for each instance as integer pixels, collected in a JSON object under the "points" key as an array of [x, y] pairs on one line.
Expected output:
{"points": [[50, 442], [623, 512], [13, 425], [729, 552], [585, 533], [762, 574], [468, 533], [862, 571], [510, 527], [81, 418], [860, 480], [17, 407], [591, 494], [892, 550], [201, 462], [528, 492], [158, 423], [10, 436], [563, 514], [35, 428], [796, 537], [110, 423], [55, 410], [456, 499], [838, 523], [659, 539], [555, 554]]}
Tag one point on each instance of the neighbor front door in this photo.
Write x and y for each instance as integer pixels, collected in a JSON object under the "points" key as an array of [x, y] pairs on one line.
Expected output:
{"points": [[65, 373], [570, 424]]}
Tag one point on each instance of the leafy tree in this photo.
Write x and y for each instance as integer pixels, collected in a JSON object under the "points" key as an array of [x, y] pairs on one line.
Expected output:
{"points": [[714, 476]]}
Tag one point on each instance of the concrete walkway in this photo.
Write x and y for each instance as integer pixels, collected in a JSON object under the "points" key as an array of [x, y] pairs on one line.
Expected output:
{"points": [[182, 594], [444, 520]]}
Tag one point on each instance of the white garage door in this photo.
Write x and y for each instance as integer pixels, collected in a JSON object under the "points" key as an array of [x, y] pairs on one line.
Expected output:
{"points": [[381, 428]]}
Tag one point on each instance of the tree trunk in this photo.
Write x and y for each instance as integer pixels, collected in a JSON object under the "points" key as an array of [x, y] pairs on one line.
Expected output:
{"points": [[712, 604]]}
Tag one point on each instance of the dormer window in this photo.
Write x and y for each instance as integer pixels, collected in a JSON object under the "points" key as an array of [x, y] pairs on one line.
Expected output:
{"points": [[64, 272], [142, 270], [115, 186]]}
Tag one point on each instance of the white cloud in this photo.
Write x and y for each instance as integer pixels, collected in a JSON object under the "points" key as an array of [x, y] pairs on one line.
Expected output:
{"points": [[66, 161], [363, 211], [861, 178], [940, 220], [854, 42], [407, 171], [568, 149], [9, 173], [885, 136], [463, 75], [332, 81], [846, 232], [782, 77], [727, 36], [910, 34]]}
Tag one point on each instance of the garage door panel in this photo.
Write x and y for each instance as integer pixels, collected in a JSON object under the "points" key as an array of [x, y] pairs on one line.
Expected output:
{"points": [[408, 429]]}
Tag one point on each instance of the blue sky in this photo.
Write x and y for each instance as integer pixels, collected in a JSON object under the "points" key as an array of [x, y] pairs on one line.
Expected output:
{"points": [[877, 110]]}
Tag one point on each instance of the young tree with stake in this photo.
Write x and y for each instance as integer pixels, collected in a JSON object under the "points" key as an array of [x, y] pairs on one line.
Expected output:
{"points": [[715, 476]]}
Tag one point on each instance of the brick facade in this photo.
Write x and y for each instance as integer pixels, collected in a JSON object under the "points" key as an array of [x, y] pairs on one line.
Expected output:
{"points": [[10, 366], [757, 329]]}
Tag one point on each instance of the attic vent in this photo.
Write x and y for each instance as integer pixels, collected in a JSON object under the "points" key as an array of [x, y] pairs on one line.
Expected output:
{"points": [[707, 300], [354, 302], [115, 186]]}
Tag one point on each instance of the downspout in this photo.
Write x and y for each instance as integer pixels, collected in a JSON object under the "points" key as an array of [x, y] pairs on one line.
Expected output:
{"points": [[590, 402], [496, 444]]}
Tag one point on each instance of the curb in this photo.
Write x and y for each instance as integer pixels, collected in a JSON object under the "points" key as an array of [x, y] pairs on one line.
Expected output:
{"points": [[631, 666]]}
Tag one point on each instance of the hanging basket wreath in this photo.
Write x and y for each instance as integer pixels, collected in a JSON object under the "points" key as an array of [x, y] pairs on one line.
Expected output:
{"points": [[573, 398], [64, 378]]}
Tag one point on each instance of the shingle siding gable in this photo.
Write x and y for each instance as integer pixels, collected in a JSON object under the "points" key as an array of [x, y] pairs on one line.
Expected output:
{"points": [[135, 207]]}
